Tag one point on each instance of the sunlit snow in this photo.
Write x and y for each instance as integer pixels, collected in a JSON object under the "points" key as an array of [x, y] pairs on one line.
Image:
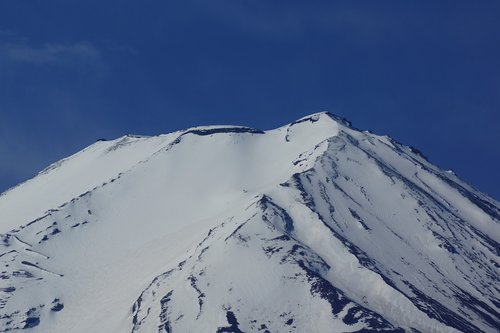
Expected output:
{"points": [[312, 227]]}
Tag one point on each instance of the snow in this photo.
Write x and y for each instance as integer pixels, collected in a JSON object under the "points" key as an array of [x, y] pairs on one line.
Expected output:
{"points": [[72, 176], [311, 226]]}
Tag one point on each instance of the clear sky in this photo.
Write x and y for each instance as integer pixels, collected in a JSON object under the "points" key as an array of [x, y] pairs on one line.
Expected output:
{"points": [[424, 72]]}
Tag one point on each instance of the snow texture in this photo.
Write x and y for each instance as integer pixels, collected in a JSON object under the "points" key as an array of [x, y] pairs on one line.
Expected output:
{"points": [[312, 227]]}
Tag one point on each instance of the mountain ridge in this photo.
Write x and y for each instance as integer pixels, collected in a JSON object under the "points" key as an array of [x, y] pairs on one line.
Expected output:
{"points": [[312, 207]]}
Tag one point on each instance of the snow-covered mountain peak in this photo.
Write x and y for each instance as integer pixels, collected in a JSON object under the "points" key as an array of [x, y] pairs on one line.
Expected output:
{"points": [[324, 116], [218, 129], [313, 226]]}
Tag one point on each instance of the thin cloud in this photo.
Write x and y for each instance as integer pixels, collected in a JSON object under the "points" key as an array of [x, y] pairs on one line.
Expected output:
{"points": [[49, 53], [292, 21], [6, 33]]}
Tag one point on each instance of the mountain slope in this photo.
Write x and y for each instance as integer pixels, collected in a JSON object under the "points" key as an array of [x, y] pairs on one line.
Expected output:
{"points": [[314, 226]]}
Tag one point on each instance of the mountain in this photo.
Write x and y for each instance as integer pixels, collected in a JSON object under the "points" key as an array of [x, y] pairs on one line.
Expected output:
{"points": [[312, 227]]}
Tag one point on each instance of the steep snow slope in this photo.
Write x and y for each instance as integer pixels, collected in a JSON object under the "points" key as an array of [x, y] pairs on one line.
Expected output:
{"points": [[79, 173], [314, 226]]}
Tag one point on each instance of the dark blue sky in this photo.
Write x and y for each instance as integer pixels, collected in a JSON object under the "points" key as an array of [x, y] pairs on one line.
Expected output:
{"points": [[424, 72]]}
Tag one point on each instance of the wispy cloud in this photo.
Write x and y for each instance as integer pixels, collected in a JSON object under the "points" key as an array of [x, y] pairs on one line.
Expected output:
{"points": [[6, 33], [293, 20], [49, 53]]}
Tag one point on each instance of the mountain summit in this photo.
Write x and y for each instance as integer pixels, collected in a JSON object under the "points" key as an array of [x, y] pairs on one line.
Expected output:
{"points": [[311, 227]]}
